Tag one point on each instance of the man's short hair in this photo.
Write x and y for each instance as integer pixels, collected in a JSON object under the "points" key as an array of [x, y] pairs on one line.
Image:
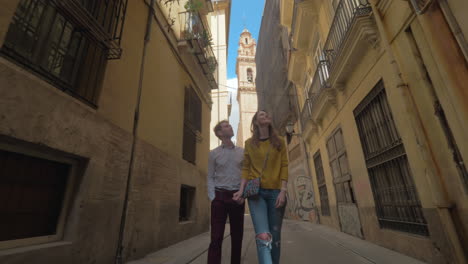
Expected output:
{"points": [[218, 126]]}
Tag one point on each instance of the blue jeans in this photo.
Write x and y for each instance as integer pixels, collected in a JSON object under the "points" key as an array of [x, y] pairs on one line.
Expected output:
{"points": [[267, 219]]}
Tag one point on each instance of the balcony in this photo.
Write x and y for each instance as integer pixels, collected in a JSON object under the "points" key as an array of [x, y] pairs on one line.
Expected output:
{"points": [[198, 38], [351, 34]]}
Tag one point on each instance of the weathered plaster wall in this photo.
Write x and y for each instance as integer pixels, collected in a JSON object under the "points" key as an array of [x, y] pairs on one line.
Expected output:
{"points": [[41, 116], [34, 111]]}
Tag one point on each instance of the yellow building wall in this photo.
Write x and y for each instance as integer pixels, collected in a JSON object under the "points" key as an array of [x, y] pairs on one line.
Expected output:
{"points": [[103, 137], [120, 86]]}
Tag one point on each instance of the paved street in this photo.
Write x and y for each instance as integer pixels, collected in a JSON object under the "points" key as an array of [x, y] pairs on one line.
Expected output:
{"points": [[303, 242]]}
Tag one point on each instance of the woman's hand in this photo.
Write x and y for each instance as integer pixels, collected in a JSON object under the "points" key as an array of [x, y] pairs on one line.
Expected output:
{"points": [[281, 200], [237, 197]]}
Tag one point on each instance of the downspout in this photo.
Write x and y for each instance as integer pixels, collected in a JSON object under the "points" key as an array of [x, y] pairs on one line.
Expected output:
{"points": [[217, 72], [123, 219], [433, 174]]}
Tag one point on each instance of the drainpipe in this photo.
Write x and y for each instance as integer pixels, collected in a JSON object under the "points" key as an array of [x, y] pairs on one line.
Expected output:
{"points": [[438, 191], [123, 219]]}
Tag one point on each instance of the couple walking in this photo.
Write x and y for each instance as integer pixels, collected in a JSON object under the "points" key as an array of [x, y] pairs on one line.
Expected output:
{"points": [[229, 170]]}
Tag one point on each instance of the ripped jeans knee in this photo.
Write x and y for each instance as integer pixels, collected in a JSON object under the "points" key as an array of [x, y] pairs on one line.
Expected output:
{"points": [[264, 240]]}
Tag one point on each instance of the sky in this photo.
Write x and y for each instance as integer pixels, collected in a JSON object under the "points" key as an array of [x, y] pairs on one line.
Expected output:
{"points": [[244, 14]]}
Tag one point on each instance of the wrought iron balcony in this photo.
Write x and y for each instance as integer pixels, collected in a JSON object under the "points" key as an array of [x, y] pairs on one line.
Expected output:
{"points": [[320, 95], [345, 15], [320, 81], [199, 39]]}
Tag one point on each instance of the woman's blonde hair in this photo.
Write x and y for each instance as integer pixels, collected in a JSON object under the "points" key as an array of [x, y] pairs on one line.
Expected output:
{"points": [[274, 139]]}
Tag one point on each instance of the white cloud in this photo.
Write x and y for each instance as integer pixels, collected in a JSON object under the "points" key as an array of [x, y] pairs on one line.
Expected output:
{"points": [[234, 118]]}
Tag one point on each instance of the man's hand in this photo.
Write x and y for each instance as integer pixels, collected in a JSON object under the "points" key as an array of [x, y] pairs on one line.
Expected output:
{"points": [[237, 197], [281, 200]]}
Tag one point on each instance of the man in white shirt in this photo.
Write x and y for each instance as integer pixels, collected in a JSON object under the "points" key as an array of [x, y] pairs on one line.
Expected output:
{"points": [[224, 177]]}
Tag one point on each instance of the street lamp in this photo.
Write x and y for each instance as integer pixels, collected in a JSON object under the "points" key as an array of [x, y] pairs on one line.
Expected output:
{"points": [[290, 129]]}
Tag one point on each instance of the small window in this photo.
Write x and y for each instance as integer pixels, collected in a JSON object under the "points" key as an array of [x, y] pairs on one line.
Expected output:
{"points": [[187, 199], [192, 124], [322, 185], [34, 197], [246, 41], [249, 75]]}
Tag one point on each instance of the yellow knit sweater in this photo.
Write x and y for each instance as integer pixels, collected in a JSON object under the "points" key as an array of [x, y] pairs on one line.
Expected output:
{"points": [[276, 168]]}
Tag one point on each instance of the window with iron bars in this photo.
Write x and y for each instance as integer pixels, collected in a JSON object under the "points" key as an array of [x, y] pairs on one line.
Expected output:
{"points": [[192, 124], [397, 203], [67, 42], [322, 185]]}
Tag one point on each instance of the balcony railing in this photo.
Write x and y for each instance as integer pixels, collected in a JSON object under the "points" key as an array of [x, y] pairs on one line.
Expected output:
{"points": [[199, 38], [320, 81], [345, 14]]}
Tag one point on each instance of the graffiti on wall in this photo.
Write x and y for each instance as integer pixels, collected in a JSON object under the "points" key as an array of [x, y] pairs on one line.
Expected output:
{"points": [[300, 197]]}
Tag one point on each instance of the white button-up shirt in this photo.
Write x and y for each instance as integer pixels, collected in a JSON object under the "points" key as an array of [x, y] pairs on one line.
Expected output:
{"points": [[224, 169]]}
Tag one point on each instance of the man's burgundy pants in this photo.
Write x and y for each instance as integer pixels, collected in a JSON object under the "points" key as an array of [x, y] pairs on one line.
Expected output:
{"points": [[222, 207]]}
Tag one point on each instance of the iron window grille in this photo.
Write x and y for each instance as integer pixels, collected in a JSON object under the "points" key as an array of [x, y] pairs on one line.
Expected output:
{"points": [[322, 185], [67, 42], [397, 203], [192, 124], [339, 166]]}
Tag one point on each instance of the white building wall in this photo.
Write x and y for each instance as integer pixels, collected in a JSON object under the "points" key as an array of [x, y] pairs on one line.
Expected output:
{"points": [[219, 23]]}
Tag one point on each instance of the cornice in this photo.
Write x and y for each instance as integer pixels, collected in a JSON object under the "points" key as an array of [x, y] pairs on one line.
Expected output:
{"points": [[246, 89], [246, 59]]}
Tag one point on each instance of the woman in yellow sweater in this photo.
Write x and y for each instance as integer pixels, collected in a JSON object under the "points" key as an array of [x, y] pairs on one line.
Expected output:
{"points": [[266, 151]]}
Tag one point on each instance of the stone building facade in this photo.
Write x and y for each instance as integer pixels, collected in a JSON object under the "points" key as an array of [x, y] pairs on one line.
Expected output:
{"points": [[104, 128], [246, 93], [219, 20], [377, 96]]}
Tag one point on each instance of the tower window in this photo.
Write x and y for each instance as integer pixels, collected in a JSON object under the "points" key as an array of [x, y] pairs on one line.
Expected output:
{"points": [[249, 75], [246, 41]]}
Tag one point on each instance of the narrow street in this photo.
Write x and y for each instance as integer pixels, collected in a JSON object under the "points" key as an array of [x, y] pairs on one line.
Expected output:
{"points": [[302, 243]]}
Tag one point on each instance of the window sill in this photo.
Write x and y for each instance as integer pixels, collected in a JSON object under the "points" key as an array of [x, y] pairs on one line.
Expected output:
{"points": [[25, 249], [186, 222]]}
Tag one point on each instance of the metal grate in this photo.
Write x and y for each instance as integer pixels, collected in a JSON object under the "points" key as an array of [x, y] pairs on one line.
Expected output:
{"points": [[198, 36], [47, 39], [397, 204], [192, 124], [322, 185]]}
